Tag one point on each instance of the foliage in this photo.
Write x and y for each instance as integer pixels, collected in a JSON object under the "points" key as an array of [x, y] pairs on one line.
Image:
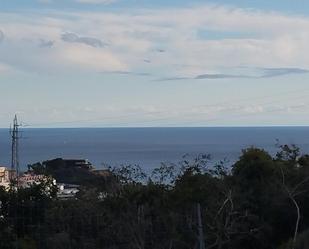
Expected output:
{"points": [[259, 202]]}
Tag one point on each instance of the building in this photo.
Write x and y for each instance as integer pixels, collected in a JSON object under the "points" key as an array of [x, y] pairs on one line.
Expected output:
{"points": [[68, 164], [5, 176], [27, 180], [67, 191], [24, 180]]}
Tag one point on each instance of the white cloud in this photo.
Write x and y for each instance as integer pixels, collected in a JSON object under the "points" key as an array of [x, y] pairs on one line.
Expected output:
{"points": [[268, 40], [90, 58], [4, 68], [1, 36]]}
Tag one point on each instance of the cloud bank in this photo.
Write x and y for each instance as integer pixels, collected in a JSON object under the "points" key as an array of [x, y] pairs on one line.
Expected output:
{"points": [[263, 73], [260, 74], [46, 43], [1, 36], [275, 72], [136, 38], [74, 38]]}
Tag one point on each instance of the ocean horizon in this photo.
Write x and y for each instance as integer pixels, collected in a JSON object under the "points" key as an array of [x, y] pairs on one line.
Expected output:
{"points": [[147, 146]]}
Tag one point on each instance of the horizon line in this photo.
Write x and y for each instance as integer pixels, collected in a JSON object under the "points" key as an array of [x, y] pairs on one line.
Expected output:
{"points": [[136, 127]]}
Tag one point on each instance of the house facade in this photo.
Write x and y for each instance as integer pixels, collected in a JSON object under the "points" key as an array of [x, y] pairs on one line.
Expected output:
{"points": [[5, 176]]}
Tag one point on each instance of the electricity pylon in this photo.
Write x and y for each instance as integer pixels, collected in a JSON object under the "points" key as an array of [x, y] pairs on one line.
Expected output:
{"points": [[14, 131]]}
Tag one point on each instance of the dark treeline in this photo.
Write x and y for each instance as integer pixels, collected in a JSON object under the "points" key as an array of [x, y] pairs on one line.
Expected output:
{"points": [[260, 202]]}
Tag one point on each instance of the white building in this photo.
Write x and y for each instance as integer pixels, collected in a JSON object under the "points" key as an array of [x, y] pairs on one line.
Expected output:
{"points": [[27, 180], [67, 191], [5, 176], [24, 181]]}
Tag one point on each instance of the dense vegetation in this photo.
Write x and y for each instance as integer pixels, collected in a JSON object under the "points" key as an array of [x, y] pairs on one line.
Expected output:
{"points": [[261, 202]]}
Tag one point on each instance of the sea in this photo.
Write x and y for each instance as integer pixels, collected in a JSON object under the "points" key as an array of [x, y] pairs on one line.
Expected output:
{"points": [[147, 147]]}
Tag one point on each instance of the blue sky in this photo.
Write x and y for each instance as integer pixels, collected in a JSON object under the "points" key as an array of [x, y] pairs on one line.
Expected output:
{"points": [[103, 63]]}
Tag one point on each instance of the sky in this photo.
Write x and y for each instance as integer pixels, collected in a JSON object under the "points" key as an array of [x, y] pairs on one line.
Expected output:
{"points": [[141, 63]]}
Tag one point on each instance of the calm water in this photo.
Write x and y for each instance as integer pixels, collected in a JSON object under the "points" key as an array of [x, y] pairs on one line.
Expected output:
{"points": [[146, 146]]}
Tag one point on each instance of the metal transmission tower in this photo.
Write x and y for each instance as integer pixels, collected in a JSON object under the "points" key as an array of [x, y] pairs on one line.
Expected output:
{"points": [[14, 131]]}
